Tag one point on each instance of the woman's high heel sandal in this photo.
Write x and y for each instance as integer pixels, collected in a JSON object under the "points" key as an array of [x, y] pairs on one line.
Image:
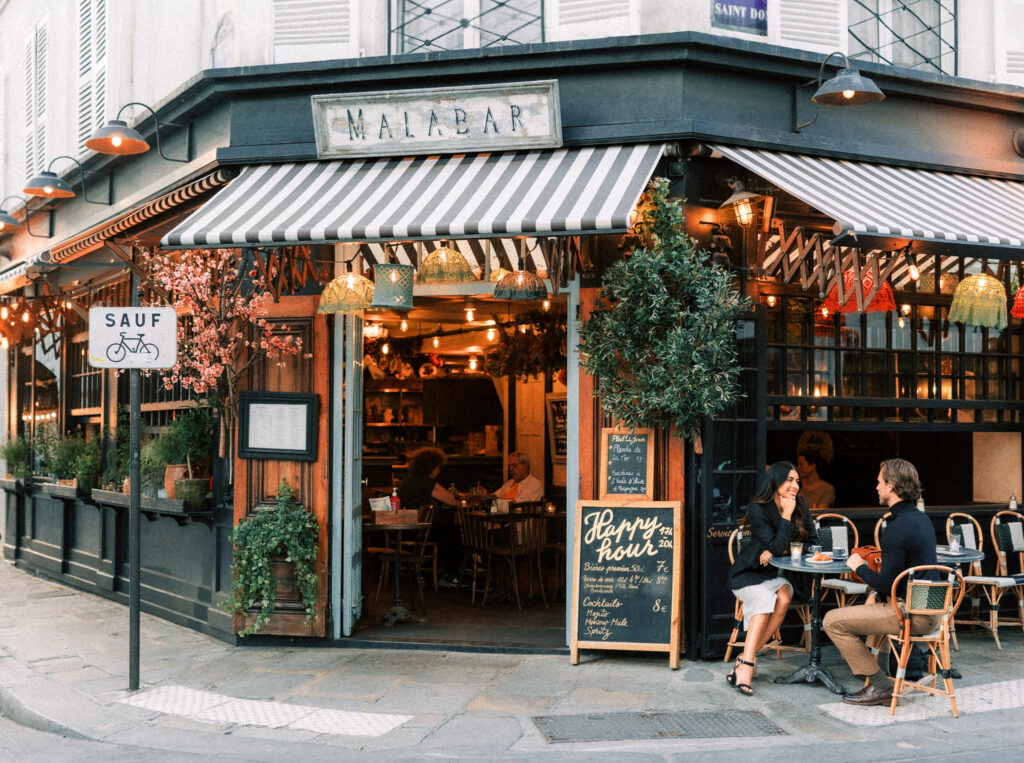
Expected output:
{"points": [[731, 678]]}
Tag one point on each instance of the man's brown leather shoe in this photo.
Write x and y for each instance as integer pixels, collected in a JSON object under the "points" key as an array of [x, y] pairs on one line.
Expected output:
{"points": [[869, 695]]}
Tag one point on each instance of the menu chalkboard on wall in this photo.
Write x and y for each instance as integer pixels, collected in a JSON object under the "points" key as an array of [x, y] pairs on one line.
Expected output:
{"points": [[627, 577], [627, 464]]}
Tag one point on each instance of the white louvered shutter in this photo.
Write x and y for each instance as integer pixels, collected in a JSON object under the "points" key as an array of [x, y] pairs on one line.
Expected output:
{"points": [[818, 25], [35, 100], [92, 68], [1008, 16], [591, 19], [314, 30]]}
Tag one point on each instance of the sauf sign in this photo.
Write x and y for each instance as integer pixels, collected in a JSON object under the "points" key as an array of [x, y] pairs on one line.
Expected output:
{"points": [[133, 337], [452, 120]]}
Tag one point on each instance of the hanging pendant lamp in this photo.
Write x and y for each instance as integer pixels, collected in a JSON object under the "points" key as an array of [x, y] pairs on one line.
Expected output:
{"points": [[520, 286], [392, 286], [445, 265], [883, 301], [1017, 311], [498, 273], [349, 293], [979, 300]]}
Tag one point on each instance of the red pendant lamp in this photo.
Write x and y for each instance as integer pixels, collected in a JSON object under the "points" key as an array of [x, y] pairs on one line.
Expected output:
{"points": [[1017, 311], [883, 301]]}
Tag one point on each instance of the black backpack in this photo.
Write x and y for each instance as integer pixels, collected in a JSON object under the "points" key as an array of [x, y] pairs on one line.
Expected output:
{"points": [[917, 664]]}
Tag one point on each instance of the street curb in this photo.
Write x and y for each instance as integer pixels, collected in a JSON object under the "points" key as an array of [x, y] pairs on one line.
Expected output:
{"points": [[15, 710]]}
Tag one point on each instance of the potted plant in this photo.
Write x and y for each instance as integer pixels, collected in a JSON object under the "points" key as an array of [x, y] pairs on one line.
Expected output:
{"points": [[115, 476], [87, 466], [64, 457], [183, 448], [284, 535], [16, 453]]}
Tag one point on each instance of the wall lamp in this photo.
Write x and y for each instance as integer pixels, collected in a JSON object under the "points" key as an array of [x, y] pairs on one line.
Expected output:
{"points": [[847, 88], [9, 223], [741, 202], [912, 269], [49, 185], [116, 137]]}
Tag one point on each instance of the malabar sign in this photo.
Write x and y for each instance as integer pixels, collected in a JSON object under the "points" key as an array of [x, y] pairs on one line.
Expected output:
{"points": [[450, 120]]}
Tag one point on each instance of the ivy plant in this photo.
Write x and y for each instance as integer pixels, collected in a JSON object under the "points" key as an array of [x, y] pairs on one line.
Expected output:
{"points": [[286, 529], [661, 342]]}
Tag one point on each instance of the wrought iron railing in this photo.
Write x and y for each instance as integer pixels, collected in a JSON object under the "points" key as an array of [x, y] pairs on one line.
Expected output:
{"points": [[422, 26], [916, 34]]}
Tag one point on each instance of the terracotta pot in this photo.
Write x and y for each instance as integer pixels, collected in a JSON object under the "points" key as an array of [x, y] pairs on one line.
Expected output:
{"points": [[171, 473]]}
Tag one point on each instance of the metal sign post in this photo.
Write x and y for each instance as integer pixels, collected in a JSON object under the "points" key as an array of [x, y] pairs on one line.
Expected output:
{"points": [[133, 338]]}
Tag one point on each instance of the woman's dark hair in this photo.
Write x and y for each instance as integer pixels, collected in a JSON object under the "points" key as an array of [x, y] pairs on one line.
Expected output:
{"points": [[425, 460], [776, 475]]}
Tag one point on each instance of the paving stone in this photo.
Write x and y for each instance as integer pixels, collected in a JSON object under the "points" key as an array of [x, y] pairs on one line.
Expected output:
{"points": [[365, 687], [420, 698], [266, 684], [583, 699], [474, 730], [513, 704]]}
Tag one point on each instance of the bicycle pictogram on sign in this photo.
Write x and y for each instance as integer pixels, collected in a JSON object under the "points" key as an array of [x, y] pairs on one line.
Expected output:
{"points": [[136, 345]]}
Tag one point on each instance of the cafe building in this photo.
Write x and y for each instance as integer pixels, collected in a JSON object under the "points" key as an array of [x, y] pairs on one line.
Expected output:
{"points": [[851, 228]]}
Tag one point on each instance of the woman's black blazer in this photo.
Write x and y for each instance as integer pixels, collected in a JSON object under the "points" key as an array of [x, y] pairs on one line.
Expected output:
{"points": [[768, 530]]}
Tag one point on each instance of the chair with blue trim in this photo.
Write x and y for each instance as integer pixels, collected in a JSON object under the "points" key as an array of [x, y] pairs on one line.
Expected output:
{"points": [[925, 596], [836, 531], [1008, 538]]}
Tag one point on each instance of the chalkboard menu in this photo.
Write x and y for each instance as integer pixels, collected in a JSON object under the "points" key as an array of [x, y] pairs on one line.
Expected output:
{"points": [[627, 464], [557, 420], [627, 577]]}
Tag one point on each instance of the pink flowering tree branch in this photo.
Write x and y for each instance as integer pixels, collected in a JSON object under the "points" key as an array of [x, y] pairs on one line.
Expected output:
{"points": [[222, 328]]}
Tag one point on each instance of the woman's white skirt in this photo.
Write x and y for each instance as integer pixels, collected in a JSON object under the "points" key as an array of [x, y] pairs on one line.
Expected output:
{"points": [[759, 599]]}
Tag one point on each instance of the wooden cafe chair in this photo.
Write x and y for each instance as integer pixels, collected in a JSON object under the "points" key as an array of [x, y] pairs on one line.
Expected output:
{"points": [[737, 638], [838, 531], [925, 597], [412, 557]]}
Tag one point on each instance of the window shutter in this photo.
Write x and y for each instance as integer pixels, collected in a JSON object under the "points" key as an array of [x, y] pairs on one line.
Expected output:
{"points": [[1008, 18], [41, 96], [92, 67], [35, 100], [591, 19], [312, 30], [818, 25]]}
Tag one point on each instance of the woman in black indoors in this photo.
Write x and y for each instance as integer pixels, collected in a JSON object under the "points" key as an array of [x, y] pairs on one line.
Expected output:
{"points": [[776, 517], [420, 488]]}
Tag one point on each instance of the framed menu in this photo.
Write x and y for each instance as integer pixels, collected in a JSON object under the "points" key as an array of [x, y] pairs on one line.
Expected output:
{"points": [[627, 464], [557, 439], [277, 425], [627, 577]]}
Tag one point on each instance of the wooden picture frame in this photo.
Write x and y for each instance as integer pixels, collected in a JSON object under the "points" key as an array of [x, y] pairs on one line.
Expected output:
{"points": [[628, 479], [611, 611], [279, 426], [557, 413]]}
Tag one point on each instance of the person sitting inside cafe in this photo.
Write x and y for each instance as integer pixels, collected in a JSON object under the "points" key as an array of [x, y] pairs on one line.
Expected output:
{"points": [[521, 486], [421, 488], [818, 493]]}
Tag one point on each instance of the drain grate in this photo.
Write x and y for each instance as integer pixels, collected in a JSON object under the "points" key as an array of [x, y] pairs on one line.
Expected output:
{"points": [[612, 727]]}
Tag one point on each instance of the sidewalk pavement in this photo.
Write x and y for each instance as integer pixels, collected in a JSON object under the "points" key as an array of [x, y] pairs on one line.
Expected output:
{"points": [[64, 667]]}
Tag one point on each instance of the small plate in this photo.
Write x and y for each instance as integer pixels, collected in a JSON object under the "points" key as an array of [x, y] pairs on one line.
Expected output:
{"points": [[810, 560]]}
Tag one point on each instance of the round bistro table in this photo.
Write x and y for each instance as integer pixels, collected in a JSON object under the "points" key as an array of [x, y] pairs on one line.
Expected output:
{"points": [[397, 613]]}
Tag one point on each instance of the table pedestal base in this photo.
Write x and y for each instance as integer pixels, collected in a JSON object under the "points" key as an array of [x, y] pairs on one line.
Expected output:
{"points": [[399, 614], [810, 674]]}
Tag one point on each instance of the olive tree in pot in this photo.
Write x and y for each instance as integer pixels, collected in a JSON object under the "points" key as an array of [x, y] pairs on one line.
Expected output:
{"points": [[186, 449], [273, 545]]}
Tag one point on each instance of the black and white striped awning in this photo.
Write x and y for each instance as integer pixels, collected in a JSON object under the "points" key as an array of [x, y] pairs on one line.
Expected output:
{"points": [[549, 192], [886, 207]]}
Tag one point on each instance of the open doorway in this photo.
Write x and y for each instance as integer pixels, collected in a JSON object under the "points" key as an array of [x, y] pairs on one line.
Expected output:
{"points": [[479, 380]]}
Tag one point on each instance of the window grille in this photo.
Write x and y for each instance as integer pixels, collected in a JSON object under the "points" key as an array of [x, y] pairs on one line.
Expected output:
{"points": [[421, 26], [915, 34]]}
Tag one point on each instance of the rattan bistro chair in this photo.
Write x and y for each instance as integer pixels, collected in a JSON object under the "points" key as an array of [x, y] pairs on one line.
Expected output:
{"points": [[966, 528], [925, 597], [837, 531], [880, 527], [1008, 539], [737, 638]]}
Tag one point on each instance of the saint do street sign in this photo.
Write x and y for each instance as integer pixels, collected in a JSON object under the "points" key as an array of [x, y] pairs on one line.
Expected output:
{"points": [[133, 337]]}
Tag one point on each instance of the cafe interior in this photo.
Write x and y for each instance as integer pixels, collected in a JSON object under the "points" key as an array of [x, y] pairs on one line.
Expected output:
{"points": [[478, 379]]}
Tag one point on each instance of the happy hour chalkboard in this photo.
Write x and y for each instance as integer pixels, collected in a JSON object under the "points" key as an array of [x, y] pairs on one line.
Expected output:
{"points": [[627, 466], [626, 592]]}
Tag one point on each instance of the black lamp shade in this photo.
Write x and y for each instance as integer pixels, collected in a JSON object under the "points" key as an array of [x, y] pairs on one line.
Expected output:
{"points": [[847, 88], [116, 137], [7, 222], [48, 185]]}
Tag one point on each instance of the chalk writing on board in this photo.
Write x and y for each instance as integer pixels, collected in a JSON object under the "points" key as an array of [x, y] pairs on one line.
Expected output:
{"points": [[625, 575], [627, 464]]}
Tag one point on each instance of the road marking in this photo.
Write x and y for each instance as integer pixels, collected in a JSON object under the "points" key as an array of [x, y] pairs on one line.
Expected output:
{"points": [[219, 708], [919, 706]]}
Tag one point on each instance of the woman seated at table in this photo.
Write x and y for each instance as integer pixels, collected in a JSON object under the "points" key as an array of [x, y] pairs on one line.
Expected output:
{"points": [[420, 488], [776, 517]]}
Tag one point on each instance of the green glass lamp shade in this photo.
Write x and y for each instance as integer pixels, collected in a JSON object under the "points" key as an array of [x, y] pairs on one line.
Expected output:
{"points": [[350, 293], [521, 285], [392, 286], [445, 265], [979, 300]]}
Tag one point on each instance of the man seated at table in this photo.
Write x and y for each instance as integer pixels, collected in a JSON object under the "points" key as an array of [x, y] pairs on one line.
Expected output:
{"points": [[909, 541], [522, 486]]}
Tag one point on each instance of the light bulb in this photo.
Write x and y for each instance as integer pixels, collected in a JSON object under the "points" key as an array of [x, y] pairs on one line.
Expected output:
{"points": [[472, 363], [490, 335], [4, 343], [848, 94], [901, 323], [3, 313], [915, 274], [437, 342], [546, 304], [116, 141], [469, 314], [47, 189], [522, 329], [824, 312], [351, 281], [394, 276], [404, 325], [2, 225], [906, 309], [771, 300], [385, 349], [744, 212], [25, 317]]}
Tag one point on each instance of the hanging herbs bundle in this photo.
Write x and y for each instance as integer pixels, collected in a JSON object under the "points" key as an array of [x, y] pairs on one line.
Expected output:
{"points": [[285, 529], [661, 343], [538, 350]]}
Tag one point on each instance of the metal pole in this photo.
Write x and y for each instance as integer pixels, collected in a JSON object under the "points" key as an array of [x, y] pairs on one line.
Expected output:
{"points": [[134, 518]]}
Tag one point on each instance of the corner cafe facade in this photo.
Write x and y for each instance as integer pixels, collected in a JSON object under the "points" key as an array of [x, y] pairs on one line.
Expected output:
{"points": [[554, 143]]}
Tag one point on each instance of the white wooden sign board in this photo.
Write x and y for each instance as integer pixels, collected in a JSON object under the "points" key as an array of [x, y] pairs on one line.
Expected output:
{"points": [[133, 337]]}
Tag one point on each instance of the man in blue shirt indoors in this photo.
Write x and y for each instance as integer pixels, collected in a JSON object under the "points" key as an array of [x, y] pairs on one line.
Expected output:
{"points": [[909, 541]]}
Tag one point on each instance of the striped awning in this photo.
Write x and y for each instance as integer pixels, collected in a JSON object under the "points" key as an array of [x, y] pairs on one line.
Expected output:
{"points": [[14, 276], [886, 207], [554, 191]]}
